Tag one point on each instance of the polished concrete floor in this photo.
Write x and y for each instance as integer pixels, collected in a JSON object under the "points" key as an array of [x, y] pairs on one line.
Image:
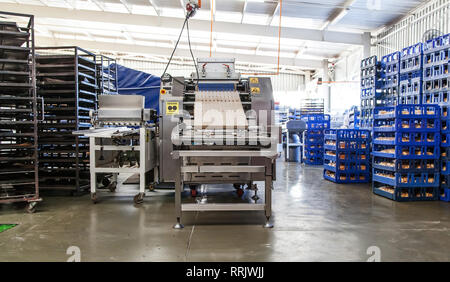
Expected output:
{"points": [[315, 220]]}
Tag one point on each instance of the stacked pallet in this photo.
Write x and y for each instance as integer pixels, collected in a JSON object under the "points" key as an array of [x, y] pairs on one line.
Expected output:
{"points": [[18, 114], [314, 138], [391, 83], [347, 154], [411, 69], [372, 78], [406, 152], [66, 79]]}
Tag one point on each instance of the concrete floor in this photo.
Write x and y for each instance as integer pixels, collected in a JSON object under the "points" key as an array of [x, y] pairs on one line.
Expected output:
{"points": [[315, 220]]}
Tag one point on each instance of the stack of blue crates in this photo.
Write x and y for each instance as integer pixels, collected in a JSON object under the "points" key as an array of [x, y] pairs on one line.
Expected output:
{"points": [[314, 137], [436, 70], [391, 84], [353, 116], [347, 156], [406, 152], [436, 90], [411, 69], [372, 78]]}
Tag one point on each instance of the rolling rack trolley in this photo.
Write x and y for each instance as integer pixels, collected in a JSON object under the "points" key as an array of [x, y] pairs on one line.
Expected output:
{"points": [[66, 79], [122, 141], [18, 112]]}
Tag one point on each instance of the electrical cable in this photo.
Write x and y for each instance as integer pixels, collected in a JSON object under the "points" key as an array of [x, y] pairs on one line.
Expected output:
{"points": [[192, 54], [176, 45]]}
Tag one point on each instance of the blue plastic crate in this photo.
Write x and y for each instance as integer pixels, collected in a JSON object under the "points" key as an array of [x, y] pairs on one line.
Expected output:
{"points": [[445, 126], [415, 99], [444, 194], [436, 71], [406, 179], [346, 178], [445, 110], [411, 86], [445, 153], [407, 111], [347, 135], [369, 62], [436, 44], [346, 156], [445, 140], [342, 146], [407, 125], [387, 100], [396, 194], [445, 166], [432, 85], [437, 97], [392, 59], [313, 161], [406, 152], [406, 166], [407, 138], [347, 166]]}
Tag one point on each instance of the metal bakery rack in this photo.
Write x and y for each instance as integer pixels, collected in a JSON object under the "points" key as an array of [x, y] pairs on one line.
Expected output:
{"points": [[106, 75], [67, 80], [18, 107]]}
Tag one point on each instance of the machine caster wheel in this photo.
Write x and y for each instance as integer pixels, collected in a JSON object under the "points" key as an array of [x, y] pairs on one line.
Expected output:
{"points": [[151, 187], [31, 207], [112, 187], [94, 198], [240, 192], [194, 192], [106, 181], [139, 198]]}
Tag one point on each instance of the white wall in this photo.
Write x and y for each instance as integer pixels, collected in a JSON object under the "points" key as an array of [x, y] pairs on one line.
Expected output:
{"points": [[345, 93]]}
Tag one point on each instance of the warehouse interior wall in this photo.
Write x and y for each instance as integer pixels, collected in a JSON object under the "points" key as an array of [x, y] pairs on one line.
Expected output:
{"points": [[345, 93], [288, 88]]}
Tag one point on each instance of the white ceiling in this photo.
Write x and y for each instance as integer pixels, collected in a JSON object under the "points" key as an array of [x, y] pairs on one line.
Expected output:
{"points": [[245, 29]]}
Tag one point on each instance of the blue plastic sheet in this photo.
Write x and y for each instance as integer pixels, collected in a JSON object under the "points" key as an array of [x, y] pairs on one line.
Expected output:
{"points": [[133, 82]]}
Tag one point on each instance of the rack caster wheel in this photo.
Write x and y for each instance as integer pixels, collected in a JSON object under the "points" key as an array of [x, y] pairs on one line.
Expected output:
{"points": [[151, 187], [240, 192], [94, 198], [31, 207], [112, 187], [139, 198]]}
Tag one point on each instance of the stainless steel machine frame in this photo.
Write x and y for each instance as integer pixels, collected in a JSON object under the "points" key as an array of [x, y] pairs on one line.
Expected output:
{"points": [[237, 164], [121, 117]]}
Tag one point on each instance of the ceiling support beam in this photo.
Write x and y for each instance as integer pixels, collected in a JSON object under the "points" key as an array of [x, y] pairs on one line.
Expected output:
{"points": [[126, 5], [338, 14], [97, 3], [243, 11], [161, 51], [194, 24], [275, 11], [155, 7]]}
